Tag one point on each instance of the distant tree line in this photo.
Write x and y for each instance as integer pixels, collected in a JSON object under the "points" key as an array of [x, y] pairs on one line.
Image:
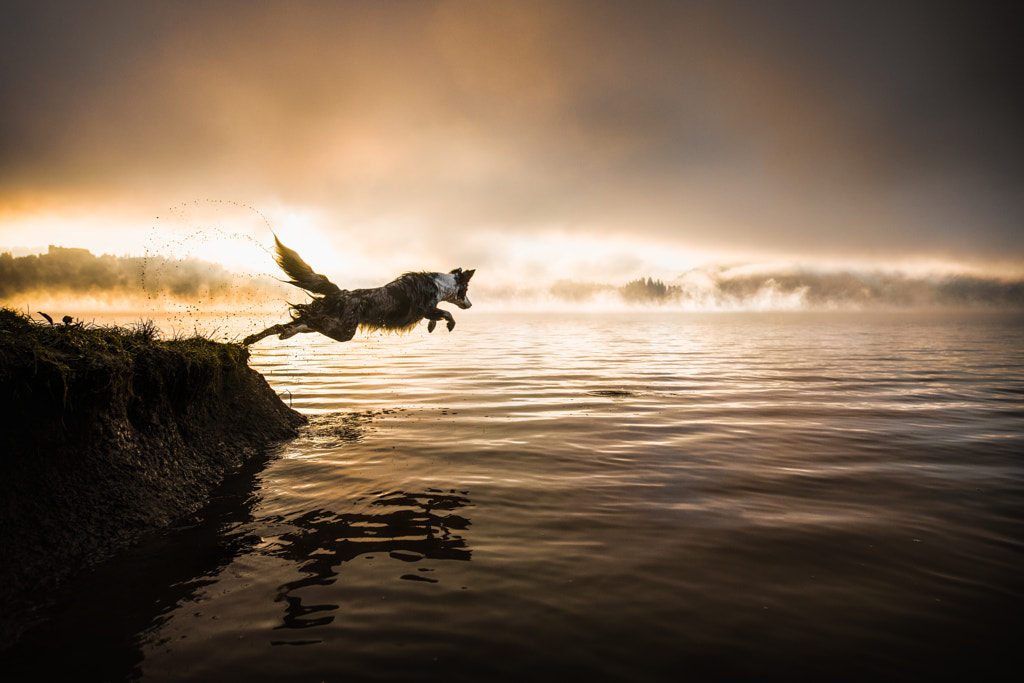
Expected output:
{"points": [[64, 269], [824, 290], [641, 291], [649, 290]]}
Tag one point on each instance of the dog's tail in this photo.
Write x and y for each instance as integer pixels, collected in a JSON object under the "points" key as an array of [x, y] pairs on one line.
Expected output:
{"points": [[301, 273]]}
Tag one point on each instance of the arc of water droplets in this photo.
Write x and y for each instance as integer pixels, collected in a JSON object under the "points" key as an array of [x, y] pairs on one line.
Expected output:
{"points": [[165, 250]]}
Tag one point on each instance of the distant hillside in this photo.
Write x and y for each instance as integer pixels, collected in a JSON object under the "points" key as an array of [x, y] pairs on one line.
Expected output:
{"points": [[845, 289], [78, 272], [721, 288]]}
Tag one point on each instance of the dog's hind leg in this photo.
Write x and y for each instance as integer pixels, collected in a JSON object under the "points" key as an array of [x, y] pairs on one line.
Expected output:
{"points": [[253, 338], [340, 329], [283, 330], [294, 329]]}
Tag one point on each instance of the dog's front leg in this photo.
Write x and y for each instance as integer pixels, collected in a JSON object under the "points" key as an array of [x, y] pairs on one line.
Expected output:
{"points": [[439, 314]]}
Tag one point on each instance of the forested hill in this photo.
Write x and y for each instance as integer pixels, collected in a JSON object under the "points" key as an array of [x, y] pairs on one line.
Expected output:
{"points": [[64, 269]]}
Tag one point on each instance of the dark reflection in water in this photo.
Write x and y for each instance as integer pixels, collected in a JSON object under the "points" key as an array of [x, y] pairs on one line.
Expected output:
{"points": [[410, 527], [99, 625], [91, 628]]}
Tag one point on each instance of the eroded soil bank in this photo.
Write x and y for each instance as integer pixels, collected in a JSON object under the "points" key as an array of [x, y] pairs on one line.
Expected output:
{"points": [[109, 433]]}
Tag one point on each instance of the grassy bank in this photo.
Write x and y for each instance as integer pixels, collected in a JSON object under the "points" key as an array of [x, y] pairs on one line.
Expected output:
{"points": [[110, 432]]}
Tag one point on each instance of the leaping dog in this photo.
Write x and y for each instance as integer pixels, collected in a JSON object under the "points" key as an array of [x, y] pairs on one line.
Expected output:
{"points": [[338, 313]]}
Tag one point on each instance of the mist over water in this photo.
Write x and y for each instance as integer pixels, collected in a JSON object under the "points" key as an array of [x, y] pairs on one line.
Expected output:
{"points": [[617, 496], [756, 288], [209, 256], [169, 278]]}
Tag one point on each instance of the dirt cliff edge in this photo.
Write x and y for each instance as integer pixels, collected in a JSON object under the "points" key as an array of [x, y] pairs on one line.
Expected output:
{"points": [[108, 433]]}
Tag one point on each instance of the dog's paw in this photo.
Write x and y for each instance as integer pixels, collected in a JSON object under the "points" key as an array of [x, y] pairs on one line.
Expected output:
{"points": [[431, 325], [451, 325]]}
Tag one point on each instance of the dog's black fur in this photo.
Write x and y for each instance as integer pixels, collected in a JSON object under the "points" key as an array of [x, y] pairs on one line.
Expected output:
{"points": [[338, 313]]}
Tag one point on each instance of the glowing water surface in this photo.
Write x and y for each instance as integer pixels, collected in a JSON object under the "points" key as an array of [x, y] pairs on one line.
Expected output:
{"points": [[604, 497]]}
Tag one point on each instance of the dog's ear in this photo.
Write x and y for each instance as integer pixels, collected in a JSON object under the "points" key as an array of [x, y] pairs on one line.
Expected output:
{"points": [[468, 274], [456, 272]]}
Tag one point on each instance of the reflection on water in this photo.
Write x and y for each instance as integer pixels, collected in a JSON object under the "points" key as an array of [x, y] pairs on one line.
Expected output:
{"points": [[652, 497], [410, 527], [177, 569], [95, 624]]}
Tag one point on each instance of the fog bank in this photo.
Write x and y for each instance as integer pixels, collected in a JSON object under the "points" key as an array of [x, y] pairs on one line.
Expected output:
{"points": [[714, 288], [72, 280]]}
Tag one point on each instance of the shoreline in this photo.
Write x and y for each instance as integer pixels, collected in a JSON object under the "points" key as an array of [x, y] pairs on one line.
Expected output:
{"points": [[111, 433]]}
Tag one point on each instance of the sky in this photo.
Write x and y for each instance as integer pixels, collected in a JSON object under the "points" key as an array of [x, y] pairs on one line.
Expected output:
{"points": [[534, 141]]}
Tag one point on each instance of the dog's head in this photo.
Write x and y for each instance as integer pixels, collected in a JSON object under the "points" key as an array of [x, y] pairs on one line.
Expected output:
{"points": [[460, 296]]}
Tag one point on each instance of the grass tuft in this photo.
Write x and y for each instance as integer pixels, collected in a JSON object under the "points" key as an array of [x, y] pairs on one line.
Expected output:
{"points": [[57, 343]]}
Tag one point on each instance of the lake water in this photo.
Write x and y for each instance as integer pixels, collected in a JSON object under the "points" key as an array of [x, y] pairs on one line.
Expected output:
{"points": [[622, 497]]}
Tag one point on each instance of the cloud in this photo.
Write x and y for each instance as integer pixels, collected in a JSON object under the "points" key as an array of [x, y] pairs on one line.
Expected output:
{"points": [[436, 127]]}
